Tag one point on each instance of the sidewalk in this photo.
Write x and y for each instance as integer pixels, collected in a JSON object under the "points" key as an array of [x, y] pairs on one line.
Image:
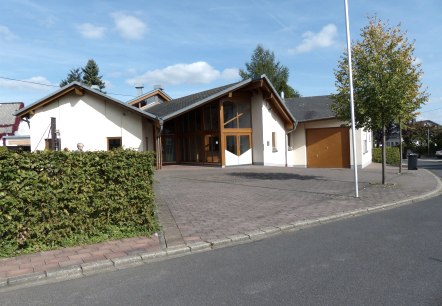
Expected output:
{"points": [[201, 208]]}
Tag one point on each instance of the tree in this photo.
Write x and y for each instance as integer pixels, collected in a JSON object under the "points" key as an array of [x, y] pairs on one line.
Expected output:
{"points": [[75, 74], [263, 62], [91, 75], [386, 80]]}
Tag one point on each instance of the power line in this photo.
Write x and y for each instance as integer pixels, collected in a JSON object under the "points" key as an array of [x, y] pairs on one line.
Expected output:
{"points": [[50, 85], [30, 82]]}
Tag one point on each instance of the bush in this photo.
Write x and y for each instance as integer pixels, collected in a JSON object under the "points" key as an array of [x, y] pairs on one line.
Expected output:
{"points": [[393, 155], [55, 199]]}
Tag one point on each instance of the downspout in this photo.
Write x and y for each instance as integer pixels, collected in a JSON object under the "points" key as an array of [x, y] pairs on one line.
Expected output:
{"points": [[160, 149], [286, 142]]}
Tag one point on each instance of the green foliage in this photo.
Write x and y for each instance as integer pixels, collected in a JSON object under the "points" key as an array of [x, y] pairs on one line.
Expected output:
{"points": [[75, 75], [386, 78], [55, 199], [91, 75], [263, 62], [392, 153]]}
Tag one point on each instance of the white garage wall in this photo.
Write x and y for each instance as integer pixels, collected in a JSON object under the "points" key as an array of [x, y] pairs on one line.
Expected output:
{"points": [[87, 119], [298, 156]]}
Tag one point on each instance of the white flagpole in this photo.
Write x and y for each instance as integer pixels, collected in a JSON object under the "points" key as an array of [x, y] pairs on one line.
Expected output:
{"points": [[352, 105]]}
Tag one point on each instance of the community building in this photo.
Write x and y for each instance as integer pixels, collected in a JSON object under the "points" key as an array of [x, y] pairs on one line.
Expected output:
{"points": [[243, 123]]}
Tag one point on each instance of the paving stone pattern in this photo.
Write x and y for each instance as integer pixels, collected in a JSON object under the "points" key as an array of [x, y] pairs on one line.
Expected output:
{"points": [[201, 208], [211, 203]]}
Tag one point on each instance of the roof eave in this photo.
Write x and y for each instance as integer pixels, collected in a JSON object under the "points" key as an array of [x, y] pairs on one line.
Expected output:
{"points": [[205, 100]]}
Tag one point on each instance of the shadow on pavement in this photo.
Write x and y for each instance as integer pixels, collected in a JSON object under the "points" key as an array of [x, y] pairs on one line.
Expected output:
{"points": [[273, 176]]}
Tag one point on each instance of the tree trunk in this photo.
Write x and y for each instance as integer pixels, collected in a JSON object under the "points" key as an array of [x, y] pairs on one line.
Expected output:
{"points": [[384, 154]]}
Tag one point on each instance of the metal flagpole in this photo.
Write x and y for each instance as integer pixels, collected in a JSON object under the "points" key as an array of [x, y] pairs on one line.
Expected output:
{"points": [[352, 105]]}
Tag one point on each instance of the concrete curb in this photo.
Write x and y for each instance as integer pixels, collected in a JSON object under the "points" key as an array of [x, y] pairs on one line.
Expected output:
{"points": [[86, 269]]}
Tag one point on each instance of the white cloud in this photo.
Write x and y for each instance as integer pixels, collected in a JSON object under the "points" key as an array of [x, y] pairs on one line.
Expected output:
{"points": [[129, 27], [91, 31], [33, 83], [325, 38], [6, 34], [194, 73]]}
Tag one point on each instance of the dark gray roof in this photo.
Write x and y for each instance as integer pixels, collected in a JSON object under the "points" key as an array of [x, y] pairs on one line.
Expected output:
{"points": [[310, 108], [8, 122], [173, 106]]}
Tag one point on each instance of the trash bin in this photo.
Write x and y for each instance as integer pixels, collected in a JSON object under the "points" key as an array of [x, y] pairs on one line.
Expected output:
{"points": [[412, 161]]}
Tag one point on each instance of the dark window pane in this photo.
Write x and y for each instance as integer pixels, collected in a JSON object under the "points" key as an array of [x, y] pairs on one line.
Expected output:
{"points": [[244, 115], [113, 143], [229, 114], [244, 143], [231, 144], [168, 149], [214, 114], [206, 114], [169, 127]]}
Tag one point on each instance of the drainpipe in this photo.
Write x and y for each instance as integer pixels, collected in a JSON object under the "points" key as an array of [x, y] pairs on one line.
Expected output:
{"points": [[159, 145], [286, 142]]}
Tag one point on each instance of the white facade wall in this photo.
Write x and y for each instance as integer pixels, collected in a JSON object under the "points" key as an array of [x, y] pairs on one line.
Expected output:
{"points": [[298, 156], [265, 122], [87, 119]]}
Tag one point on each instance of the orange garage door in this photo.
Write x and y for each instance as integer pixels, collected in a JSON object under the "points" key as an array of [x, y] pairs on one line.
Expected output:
{"points": [[328, 148]]}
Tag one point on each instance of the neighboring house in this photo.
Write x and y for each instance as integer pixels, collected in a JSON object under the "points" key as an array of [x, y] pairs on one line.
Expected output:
{"points": [[14, 133], [154, 97], [85, 115], [322, 141], [237, 124]]}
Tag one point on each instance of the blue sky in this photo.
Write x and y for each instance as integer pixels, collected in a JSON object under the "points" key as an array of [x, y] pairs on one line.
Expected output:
{"points": [[188, 46]]}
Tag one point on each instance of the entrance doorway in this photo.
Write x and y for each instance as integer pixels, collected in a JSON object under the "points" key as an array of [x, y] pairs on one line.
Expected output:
{"points": [[238, 150], [211, 148]]}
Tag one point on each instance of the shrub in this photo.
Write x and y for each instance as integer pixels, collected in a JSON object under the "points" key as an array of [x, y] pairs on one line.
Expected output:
{"points": [[53, 199], [393, 155]]}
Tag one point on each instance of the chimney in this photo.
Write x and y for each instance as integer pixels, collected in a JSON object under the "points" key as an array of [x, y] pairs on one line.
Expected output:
{"points": [[139, 88], [282, 95], [159, 86]]}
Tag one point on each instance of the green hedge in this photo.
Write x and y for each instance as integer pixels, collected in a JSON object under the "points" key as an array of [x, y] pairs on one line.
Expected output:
{"points": [[393, 155], [56, 199]]}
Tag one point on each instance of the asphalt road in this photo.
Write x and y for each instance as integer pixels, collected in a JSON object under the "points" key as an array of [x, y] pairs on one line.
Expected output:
{"points": [[392, 257]]}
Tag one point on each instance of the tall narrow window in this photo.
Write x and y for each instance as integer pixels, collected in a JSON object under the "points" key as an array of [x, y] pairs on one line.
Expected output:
{"points": [[274, 143]]}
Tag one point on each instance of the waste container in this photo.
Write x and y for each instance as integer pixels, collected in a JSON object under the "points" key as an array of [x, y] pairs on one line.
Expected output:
{"points": [[412, 161]]}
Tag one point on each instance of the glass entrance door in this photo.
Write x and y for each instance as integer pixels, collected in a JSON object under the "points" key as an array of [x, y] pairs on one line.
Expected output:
{"points": [[211, 148], [238, 149]]}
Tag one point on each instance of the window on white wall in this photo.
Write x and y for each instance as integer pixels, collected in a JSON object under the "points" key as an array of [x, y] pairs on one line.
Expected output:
{"points": [[274, 143], [365, 142]]}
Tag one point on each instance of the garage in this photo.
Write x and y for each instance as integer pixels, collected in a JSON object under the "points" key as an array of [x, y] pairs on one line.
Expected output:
{"points": [[328, 148]]}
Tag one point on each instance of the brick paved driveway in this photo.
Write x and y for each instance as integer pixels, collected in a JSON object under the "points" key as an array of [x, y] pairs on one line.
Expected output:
{"points": [[210, 203]]}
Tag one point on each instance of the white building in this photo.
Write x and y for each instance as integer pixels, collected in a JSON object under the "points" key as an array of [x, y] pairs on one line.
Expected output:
{"points": [[241, 123]]}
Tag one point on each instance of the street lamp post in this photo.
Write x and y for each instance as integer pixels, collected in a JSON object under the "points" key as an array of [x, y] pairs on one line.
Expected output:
{"points": [[352, 106]]}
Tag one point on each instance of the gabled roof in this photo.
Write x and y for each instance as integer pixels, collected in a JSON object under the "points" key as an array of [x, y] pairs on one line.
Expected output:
{"points": [[8, 122], [310, 108], [79, 89], [179, 106], [155, 92]]}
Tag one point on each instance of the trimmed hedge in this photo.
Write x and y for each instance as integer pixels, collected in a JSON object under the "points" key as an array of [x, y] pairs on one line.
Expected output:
{"points": [[55, 199], [393, 155]]}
